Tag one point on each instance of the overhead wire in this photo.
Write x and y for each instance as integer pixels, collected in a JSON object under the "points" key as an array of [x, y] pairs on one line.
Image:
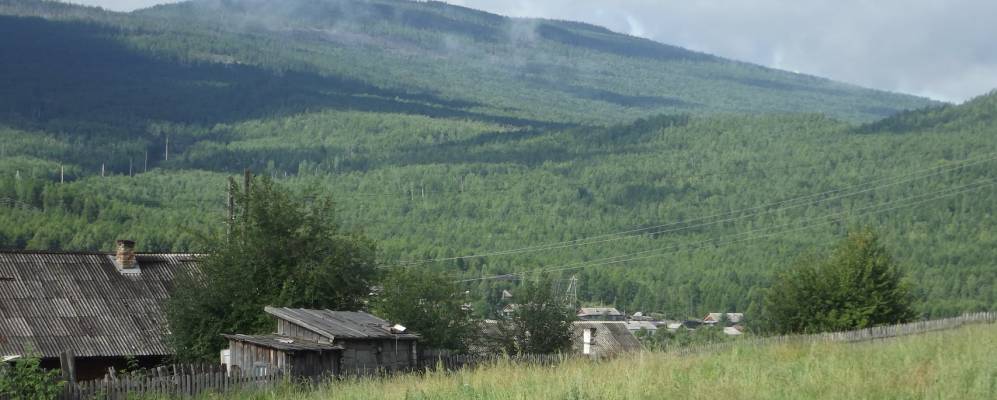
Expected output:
{"points": [[712, 242], [614, 236]]}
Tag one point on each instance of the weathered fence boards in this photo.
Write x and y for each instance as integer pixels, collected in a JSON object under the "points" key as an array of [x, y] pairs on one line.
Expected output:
{"points": [[173, 381], [879, 332]]}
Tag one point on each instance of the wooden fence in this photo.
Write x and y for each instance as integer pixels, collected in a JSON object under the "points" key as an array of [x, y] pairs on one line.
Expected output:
{"points": [[875, 333], [170, 381]]}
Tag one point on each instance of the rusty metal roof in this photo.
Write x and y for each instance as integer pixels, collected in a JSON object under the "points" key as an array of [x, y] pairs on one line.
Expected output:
{"points": [[56, 301], [339, 324], [283, 343]]}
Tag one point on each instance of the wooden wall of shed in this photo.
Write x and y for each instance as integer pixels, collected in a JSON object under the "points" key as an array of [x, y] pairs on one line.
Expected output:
{"points": [[246, 355], [289, 329], [315, 364], [368, 356]]}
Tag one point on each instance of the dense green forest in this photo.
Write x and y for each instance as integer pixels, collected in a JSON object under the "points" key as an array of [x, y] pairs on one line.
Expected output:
{"points": [[445, 132]]}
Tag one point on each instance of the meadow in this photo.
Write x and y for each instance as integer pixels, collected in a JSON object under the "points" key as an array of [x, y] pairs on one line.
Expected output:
{"points": [[956, 364]]}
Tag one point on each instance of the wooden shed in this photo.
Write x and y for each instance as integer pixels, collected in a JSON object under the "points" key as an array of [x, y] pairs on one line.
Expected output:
{"points": [[369, 343], [260, 355]]}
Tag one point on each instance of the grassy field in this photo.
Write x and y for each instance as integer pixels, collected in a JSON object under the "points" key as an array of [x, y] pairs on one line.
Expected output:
{"points": [[958, 364]]}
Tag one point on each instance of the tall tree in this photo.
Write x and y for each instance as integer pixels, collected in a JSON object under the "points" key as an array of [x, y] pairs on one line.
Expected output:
{"points": [[281, 251], [430, 304], [540, 323], [858, 286]]}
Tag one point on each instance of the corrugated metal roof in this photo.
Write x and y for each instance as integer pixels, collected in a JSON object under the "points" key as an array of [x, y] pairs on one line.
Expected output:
{"points": [[284, 343], [339, 324], [56, 301]]}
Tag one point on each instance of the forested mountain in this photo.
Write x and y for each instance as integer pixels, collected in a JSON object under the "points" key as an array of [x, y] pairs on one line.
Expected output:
{"points": [[443, 131]]}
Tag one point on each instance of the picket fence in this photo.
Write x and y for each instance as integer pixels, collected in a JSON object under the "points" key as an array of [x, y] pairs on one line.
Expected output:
{"points": [[875, 333], [175, 381]]}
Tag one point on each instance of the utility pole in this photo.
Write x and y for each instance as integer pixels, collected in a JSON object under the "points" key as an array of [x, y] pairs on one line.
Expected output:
{"points": [[130, 166], [231, 207], [145, 164], [62, 174], [167, 157], [247, 180], [101, 170]]}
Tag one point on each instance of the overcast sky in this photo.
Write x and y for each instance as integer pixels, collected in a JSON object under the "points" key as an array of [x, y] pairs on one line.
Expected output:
{"points": [[943, 49]]}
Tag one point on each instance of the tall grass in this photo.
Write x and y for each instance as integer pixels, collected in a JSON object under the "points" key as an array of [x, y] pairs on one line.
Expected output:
{"points": [[958, 364]]}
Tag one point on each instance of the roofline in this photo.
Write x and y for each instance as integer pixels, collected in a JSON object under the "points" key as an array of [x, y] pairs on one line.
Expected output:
{"points": [[278, 312], [94, 253], [246, 339]]}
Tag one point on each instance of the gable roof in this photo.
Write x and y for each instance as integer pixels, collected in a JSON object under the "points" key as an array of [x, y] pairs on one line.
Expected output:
{"points": [[339, 324], [51, 302]]}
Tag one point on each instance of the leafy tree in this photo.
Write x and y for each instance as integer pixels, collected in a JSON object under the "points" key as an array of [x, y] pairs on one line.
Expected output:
{"points": [[281, 252], [859, 286], [430, 304], [539, 324], [25, 379]]}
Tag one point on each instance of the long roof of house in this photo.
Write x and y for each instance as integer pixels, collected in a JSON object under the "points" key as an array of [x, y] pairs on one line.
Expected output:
{"points": [[51, 302], [339, 324]]}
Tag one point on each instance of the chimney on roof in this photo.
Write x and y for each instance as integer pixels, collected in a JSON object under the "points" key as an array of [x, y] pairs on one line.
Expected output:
{"points": [[125, 257]]}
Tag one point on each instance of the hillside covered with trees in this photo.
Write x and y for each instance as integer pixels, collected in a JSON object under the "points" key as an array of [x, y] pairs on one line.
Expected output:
{"points": [[479, 146]]}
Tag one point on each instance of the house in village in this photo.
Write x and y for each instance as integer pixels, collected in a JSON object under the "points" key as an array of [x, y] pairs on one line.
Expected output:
{"points": [[603, 339], [730, 318], [600, 314], [98, 309], [637, 326], [313, 343]]}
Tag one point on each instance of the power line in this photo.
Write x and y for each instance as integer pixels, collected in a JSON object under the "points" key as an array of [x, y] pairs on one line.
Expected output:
{"points": [[646, 254], [609, 237]]}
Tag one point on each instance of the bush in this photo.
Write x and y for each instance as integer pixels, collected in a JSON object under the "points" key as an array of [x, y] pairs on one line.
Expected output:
{"points": [[25, 379]]}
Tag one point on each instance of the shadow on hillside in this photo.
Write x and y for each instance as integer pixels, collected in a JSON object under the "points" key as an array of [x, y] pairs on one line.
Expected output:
{"points": [[79, 76]]}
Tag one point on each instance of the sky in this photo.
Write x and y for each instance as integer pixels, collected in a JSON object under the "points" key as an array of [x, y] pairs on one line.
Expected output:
{"points": [[942, 49]]}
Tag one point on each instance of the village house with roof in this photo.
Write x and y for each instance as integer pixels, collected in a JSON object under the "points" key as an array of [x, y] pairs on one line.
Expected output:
{"points": [[92, 310]]}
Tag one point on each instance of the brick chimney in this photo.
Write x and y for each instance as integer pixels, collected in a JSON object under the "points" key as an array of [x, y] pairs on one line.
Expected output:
{"points": [[125, 257]]}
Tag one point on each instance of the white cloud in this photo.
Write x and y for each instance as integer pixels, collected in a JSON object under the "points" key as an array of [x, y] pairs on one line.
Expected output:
{"points": [[941, 48]]}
